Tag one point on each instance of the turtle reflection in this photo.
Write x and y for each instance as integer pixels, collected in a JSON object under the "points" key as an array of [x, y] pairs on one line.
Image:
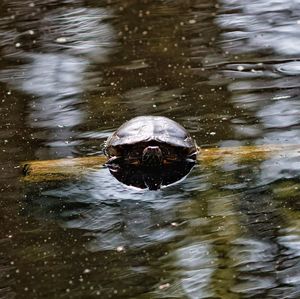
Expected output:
{"points": [[152, 178]]}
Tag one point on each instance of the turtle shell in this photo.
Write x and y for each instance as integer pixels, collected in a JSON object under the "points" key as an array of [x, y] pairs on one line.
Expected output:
{"points": [[147, 129]]}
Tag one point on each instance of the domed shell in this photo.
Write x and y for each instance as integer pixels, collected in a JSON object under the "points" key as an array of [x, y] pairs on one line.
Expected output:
{"points": [[151, 128]]}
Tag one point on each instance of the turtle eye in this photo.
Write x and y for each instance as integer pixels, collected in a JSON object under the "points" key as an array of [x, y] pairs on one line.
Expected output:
{"points": [[136, 153]]}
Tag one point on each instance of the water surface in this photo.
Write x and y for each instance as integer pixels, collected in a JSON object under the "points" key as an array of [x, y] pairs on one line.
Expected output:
{"points": [[71, 72]]}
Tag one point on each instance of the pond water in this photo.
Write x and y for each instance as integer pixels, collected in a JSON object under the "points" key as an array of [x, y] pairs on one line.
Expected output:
{"points": [[71, 72]]}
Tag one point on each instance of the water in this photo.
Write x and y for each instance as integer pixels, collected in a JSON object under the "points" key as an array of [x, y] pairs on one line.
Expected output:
{"points": [[72, 71]]}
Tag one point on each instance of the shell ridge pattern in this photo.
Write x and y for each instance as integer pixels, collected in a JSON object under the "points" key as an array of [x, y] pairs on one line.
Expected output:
{"points": [[151, 128]]}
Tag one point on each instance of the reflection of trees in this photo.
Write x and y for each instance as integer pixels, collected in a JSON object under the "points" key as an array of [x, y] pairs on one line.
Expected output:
{"points": [[239, 243], [219, 243], [267, 87], [258, 41], [56, 47], [45, 56], [215, 234], [105, 216], [159, 69]]}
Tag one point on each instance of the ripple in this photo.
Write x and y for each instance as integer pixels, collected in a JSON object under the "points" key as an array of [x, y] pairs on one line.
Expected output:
{"points": [[289, 68]]}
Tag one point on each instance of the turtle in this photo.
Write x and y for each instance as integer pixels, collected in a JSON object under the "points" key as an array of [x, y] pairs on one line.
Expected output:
{"points": [[150, 141]]}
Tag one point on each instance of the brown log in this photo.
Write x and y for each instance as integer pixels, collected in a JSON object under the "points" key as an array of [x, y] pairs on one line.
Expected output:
{"points": [[61, 169]]}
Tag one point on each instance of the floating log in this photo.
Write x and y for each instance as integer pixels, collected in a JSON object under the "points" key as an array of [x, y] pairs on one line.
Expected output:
{"points": [[61, 169]]}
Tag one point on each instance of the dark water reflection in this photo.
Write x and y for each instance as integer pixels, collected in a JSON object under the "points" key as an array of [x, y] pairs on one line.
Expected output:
{"points": [[72, 71], [153, 179]]}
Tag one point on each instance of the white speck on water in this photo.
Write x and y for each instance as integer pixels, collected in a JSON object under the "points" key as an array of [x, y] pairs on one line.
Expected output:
{"points": [[192, 21], [154, 106], [212, 133], [61, 40], [120, 248], [164, 286], [240, 68], [18, 45], [281, 97]]}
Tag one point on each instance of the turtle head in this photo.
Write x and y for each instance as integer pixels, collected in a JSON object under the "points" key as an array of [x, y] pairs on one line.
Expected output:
{"points": [[152, 156]]}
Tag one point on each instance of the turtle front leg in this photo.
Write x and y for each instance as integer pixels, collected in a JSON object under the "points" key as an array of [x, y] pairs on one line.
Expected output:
{"points": [[192, 157], [114, 160]]}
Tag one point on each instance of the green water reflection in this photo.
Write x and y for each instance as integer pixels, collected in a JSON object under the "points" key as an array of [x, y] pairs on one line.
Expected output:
{"points": [[72, 71]]}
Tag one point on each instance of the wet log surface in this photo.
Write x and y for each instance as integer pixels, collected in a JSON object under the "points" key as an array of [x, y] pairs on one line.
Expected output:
{"points": [[68, 168]]}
